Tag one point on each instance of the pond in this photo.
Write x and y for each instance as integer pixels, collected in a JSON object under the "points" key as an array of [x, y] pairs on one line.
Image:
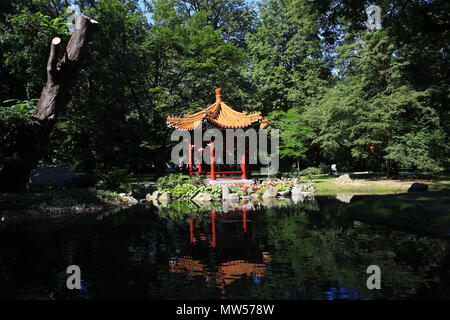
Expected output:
{"points": [[305, 250]]}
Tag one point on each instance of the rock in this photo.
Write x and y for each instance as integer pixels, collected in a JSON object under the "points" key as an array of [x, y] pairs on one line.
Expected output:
{"points": [[202, 197], [269, 202], [225, 192], [202, 204], [344, 197], [229, 205], [344, 179], [418, 187], [270, 193], [226, 195], [165, 202], [153, 196], [284, 193], [233, 197], [51, 176], [122, 194], [296, 198], [130, 200], [165, 197], [255, 196], [297, 189]]}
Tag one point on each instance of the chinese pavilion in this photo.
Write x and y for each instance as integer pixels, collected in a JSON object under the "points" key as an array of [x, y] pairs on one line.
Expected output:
{"points": [[220, 116]]}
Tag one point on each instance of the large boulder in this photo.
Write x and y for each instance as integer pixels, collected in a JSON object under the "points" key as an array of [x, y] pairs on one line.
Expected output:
{"points": [[165, 197], [225, 192], [202, 197], [269, 202], [418, 187], [297, 198], [344, 197], [130, 200], [153, 196], [344, 179], [51, 176], [226, 195], [271, 192]]}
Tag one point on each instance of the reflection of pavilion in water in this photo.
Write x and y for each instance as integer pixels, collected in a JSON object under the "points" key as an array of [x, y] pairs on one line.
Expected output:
{"points": [[222, 250]]}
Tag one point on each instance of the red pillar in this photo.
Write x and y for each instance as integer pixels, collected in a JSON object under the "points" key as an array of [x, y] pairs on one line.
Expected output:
{"points": [[190, 160], [244, 219], [200, 161], [244, 168], [213, 171], [213, 226], [191, 221]]}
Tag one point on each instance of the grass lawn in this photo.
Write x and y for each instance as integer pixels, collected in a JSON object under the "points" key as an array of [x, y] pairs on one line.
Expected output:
{"points": [[379, 185], [425, 211], [141, 177]]}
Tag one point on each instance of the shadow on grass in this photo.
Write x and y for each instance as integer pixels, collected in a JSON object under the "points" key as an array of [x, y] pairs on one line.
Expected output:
{"points": [[426, 212]]}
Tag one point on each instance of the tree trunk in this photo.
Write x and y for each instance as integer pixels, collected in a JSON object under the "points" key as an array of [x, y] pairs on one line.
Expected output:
{"points": [[54, 98]]}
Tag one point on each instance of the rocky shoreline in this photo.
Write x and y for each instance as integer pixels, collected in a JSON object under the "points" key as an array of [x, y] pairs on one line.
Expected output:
{"points": [[48, 212]]}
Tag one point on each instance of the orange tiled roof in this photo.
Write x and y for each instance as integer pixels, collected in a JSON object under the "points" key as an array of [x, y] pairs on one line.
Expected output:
{"points": [[220, 115], [226, 273]]}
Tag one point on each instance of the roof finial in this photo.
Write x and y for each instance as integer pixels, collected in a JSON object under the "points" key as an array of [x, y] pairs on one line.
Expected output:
{"points": [[218, 95]]}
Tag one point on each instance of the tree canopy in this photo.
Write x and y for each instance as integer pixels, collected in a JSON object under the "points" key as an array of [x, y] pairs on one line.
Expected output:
{"points": [[332, 87]]}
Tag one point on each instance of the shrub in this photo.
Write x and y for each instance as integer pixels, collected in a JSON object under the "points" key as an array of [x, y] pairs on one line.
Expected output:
{"points": [[215, 191], [237, 189], [263, 189], [170, 181], [283, 187], [183, 190], [311, 171]]}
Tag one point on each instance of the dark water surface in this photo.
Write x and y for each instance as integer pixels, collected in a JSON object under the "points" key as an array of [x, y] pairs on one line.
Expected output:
{"points": [[308, 250]]}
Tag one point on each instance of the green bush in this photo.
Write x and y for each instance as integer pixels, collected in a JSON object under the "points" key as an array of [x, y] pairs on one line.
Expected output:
{"points": [[182, 191], [13, 120], [262, 189], [311, 171], [170, 181], [236, 189], [215, 191], [283, 186]]}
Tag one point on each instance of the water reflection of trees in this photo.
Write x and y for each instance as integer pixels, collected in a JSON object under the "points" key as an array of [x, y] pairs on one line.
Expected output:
{"points": [[316, 253], [333, 251]]}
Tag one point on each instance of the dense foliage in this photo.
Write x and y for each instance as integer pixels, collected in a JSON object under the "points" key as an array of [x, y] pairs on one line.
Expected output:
{"points": [[331, 86]]}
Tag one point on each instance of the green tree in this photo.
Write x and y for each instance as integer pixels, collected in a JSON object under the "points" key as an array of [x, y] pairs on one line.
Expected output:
{"points": [[294, 134]]}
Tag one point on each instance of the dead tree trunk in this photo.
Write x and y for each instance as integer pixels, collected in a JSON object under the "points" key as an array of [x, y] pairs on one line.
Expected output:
{"points": [[54, 98]]}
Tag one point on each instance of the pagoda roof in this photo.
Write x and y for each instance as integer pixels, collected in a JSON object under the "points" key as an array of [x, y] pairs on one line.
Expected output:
{"points": [[220, 115]]}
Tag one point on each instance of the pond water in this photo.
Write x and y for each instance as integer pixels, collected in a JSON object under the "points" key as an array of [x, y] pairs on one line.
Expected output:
{"points": [[283, 250]]}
